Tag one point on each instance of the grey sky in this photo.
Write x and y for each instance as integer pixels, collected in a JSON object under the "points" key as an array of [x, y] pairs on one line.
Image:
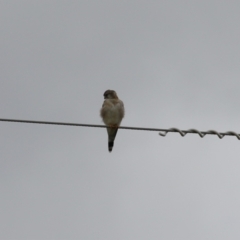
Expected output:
{"points": [[174, 64]]}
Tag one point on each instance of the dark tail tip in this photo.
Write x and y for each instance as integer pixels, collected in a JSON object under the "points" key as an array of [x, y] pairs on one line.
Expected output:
{"points": [[110, 146]]}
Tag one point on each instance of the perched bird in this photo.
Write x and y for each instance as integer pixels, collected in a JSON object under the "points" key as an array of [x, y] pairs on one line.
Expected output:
{"points": [[112, 113]]}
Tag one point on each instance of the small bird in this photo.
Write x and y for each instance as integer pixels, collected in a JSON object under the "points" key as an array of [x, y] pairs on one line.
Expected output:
{"points": [[112, 113]]}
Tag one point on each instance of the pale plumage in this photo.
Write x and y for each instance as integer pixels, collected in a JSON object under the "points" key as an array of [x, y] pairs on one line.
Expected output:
{"points": [[112, 113]]}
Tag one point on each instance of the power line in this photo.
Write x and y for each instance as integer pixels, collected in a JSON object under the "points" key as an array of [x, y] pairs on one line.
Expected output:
{"points": [[162, 132]]}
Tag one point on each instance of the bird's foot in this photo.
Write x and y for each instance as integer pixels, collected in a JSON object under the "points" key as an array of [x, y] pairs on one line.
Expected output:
{"points": [[113, 126]]}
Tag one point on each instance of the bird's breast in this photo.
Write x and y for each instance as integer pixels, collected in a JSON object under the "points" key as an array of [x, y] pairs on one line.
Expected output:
{"points": [[112, 116]]}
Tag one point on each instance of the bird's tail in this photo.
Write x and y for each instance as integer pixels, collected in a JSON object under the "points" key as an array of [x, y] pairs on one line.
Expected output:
{"points": [[112, 132]]}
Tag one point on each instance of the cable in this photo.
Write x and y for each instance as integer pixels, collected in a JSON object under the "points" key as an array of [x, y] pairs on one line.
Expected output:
{"points": [[162, 132], [200, 133]]}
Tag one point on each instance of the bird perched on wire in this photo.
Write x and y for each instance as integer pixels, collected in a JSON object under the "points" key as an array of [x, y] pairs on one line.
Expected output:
{"points": [[112, 113]]}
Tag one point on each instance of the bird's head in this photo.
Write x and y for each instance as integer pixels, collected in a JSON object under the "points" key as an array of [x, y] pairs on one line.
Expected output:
{"points": [[110, 94]]}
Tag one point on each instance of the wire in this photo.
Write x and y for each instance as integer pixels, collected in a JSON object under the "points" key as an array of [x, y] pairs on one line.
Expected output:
{"points": [[162, 132], [200, 133]]}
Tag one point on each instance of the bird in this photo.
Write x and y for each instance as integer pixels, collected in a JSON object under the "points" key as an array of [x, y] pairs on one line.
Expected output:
{"points": [[112, 113]]}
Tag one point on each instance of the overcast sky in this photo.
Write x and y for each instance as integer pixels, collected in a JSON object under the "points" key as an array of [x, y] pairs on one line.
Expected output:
{"points": [[173, 64]]}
